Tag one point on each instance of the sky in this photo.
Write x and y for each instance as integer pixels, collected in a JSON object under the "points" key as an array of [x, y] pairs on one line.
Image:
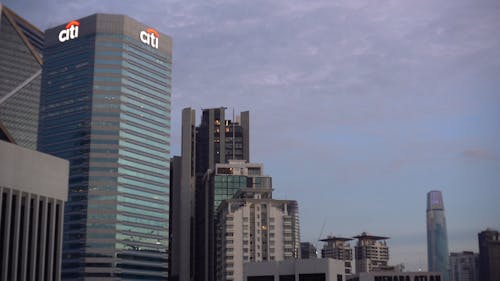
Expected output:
{"points": [[357, 108]]}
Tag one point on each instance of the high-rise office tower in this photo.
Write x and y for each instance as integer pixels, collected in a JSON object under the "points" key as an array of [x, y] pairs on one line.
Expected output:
{"points": [[437, 237], [33, 189], [254, 227], [105, 107], [338, 248], [372, 253], [20, 76], [216, 140], [464, 266], [489, 255]]}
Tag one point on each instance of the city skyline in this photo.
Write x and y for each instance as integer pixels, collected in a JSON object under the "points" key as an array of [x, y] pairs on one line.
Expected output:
{"points": [[367, 104]]}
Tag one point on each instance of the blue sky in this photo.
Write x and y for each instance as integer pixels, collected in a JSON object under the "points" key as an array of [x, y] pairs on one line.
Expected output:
{"points": [[358, 108]]}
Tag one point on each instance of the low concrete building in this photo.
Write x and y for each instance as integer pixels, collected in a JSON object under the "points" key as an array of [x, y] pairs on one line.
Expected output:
{"points": [[396, 276], [33, 189], [295, 270]]}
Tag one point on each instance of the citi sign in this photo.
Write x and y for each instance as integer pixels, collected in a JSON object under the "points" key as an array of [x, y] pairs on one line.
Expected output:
{"points": [[150, 37], [71, 31]]}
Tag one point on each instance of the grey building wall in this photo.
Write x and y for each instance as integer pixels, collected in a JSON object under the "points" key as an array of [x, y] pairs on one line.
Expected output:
{"points": [[300, 269], [387, 275], [33, 189]]}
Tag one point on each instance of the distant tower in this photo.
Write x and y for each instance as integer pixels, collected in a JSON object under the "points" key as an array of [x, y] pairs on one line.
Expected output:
{"points": [[489, 255], [437, 238], [464, 266]]}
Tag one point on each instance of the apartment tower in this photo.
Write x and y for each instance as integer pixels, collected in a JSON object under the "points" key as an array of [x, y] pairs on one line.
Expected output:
{"points": [[338, 248], [372, 253], [254, 227]]}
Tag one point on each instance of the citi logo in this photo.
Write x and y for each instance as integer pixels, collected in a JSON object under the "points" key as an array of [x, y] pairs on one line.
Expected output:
{"points": [[150, 37], [71, 31]]}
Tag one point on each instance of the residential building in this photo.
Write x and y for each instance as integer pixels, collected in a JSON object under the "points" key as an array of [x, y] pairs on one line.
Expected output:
{"points": [[105, 107], [338, 248], [20, 75], [464, 266], [216, 140], [437, 237], [295, 270], [489, 255], [308, 251], [33, 189], [372, 253], [254, 227]]}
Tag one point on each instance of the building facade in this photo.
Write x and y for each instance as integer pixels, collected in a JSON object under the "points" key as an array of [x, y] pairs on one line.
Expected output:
{"points": [[396, 276], [105, 107], [308, 251], [21, 44], [295, 270], [464, 266], [372, 253], [33, 189], [253, 227], [489, 255], [338, 248], [437, 237], [216, 140]]}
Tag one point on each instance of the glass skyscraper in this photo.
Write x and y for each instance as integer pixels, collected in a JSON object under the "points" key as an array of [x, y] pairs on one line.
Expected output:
{"points": [[105, 107], [437, 237], [20, 76]]}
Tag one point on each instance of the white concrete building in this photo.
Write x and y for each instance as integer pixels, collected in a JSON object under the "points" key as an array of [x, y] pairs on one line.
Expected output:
{"points": [[253, 227], [295, 270], [338, 248], [372, 253], [33, 189]]}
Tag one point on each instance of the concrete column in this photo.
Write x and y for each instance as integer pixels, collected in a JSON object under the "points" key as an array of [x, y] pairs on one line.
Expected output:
{"points": [[15, 239], [34, 238], [27, 231], [6, 230], [43, 239], [59, 241], [51, 236]]}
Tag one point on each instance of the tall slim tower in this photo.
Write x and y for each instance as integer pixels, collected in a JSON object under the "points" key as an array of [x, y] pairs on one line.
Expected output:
{"points": [[216, 140], [437, 237], [20, 76], [105, 107]]}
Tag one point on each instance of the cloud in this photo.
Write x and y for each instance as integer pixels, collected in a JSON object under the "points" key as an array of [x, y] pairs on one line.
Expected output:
{"points": [[480, 154]]}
